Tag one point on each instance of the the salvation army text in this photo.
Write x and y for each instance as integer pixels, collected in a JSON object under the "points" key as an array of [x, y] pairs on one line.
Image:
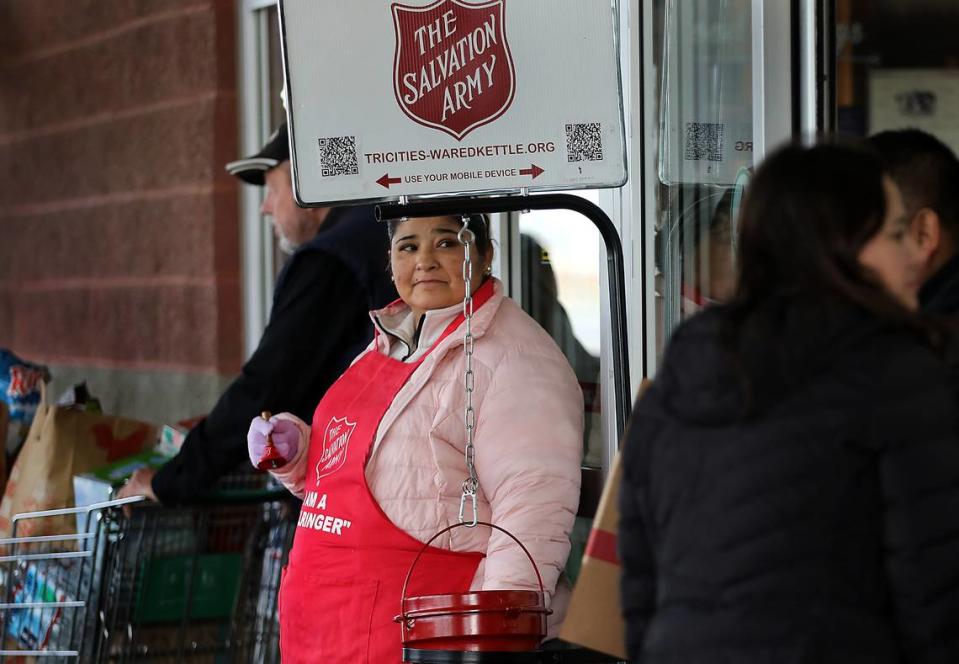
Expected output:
{"points": [[458, 52]]}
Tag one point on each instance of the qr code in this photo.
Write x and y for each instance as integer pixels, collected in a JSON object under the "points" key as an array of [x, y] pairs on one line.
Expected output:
{"points": [[704, 141], [338, 156], [584, 142]]}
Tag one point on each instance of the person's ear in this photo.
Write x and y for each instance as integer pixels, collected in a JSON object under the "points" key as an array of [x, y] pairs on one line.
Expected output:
{"points": [[926, 228]]}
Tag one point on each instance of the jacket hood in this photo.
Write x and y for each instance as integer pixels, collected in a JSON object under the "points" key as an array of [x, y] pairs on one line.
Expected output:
{"points": [[721, 367]]}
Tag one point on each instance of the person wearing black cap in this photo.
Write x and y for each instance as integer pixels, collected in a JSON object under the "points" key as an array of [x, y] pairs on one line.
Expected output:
{"points": [[270, 167], [319, 322]]}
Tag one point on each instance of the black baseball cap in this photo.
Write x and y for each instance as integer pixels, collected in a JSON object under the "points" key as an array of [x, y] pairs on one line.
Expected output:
{"points": [[252, 169]]}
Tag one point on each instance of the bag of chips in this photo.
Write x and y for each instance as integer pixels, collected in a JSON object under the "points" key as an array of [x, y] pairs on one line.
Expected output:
{"points": [[21, 383]]}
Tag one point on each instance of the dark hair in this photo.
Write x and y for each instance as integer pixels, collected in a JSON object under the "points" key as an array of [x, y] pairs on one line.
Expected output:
{"points": [[478, 224], [805, 218], [925, 170]]}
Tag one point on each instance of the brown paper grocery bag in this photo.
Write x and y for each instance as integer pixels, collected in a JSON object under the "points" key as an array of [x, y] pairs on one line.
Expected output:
{"points": [[594, 619], [61, 443]]}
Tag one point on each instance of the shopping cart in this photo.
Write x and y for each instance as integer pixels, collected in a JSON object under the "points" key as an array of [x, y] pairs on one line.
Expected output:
{"points": [[48, 584], [195, 584]]}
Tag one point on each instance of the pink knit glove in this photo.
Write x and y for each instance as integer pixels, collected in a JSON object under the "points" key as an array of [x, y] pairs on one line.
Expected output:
{"points": [[286, 438]]}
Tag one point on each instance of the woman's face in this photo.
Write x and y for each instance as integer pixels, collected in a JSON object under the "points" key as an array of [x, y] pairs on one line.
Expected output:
{"points": [[427, 263], [892, 254]]}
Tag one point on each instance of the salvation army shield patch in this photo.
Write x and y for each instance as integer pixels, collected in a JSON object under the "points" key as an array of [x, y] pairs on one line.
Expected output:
{"points": [[452, 69], [336, 442]]}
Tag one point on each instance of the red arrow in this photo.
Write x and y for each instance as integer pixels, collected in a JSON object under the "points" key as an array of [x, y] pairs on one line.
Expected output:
{"points": [[386, 180], [534, 170]]}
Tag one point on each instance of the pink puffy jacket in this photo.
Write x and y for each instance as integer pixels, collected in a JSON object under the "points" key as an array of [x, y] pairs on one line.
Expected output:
{"points": [[528, 438]]}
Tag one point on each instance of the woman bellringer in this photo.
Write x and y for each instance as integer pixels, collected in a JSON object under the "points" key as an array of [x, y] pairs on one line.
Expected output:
{"points": [[791, 477], [381, 466]]}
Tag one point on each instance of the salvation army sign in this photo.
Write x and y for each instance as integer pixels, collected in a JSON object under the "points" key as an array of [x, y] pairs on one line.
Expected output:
{"points": [[389, 99], [467, 83]]}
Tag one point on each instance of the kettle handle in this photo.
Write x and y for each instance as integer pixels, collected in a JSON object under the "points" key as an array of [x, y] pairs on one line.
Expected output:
{"points": [[409, 573]]}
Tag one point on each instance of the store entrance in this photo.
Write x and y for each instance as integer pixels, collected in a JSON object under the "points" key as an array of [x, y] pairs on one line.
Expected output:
{"points": [[897, 66]]}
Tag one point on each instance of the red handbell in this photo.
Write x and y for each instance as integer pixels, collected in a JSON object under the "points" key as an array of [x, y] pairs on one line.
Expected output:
{"points": [[271, 456]]}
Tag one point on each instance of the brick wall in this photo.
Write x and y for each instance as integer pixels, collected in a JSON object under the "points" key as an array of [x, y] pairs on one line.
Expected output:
{"points": [[119, 231]]}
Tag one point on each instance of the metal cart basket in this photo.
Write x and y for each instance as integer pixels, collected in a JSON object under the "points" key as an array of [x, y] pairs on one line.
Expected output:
{"points": [[194, 584]]}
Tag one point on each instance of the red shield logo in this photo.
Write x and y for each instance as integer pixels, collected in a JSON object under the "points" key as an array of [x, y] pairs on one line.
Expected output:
{"points": [[336, 442], [452, 70]]}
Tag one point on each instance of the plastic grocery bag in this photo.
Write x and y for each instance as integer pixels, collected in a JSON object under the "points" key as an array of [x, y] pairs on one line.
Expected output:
{"points": [[20, 386], [3, 456]]}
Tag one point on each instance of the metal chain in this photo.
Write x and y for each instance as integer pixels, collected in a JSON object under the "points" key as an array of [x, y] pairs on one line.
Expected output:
{"points": [[471, 483]]}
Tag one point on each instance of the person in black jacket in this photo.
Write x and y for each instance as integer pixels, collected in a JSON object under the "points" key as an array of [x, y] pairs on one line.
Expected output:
{"points": [[791, 477], [318, 323], [927, 173]]}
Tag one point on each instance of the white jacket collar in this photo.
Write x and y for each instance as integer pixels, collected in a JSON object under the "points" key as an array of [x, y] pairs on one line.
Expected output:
{"points": [[409, 341], [399, 338]]}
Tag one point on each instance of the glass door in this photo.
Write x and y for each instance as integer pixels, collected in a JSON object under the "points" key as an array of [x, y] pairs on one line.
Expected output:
{"points": [[703, 52], [728, 77]]}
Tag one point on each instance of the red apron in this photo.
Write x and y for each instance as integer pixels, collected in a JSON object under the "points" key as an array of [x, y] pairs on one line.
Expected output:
{"points": [[342, 586]]}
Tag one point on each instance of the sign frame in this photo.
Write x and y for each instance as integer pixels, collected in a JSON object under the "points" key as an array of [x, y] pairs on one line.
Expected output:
{"points": [[618, 150]]}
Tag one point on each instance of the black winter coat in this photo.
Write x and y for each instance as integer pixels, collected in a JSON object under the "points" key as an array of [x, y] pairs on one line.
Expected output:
{"points": [[940, 295], [794, 502], [319, 323]]}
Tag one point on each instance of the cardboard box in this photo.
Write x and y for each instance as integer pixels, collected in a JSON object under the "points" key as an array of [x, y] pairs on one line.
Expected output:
{"points": [[97, 485], [594, 619], [38, 628]]}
